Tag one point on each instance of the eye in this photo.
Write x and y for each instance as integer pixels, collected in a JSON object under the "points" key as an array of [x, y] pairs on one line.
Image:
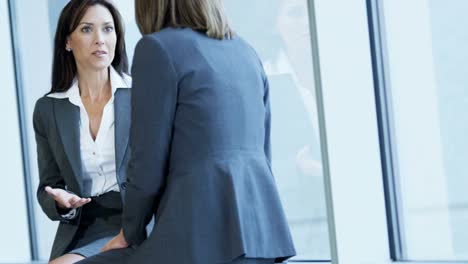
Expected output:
{"points": [[108, 29], [86, 29]]}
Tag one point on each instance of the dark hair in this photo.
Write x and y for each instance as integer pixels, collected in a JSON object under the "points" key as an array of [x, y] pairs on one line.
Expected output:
{"points": [[204, 15], [64, 65]]}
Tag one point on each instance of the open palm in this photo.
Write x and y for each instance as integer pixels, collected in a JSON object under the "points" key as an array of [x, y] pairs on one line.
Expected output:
{"points": [[66, 200]]}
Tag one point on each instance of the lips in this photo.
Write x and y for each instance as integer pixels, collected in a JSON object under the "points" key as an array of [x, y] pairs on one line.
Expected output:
{"points": [[99, 53]]}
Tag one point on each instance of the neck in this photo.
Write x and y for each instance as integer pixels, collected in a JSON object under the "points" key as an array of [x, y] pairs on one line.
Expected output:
{"points": [[94, 84]]}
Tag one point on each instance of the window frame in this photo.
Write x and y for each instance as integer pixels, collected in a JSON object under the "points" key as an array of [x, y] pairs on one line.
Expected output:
{"points": [[380, 240]]}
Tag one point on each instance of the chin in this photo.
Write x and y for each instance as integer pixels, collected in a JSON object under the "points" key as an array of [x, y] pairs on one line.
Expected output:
{"points": [[100, 66]]}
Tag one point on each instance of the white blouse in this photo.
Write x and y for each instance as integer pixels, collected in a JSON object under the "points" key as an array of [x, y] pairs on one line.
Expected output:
{"points": [[97, 156]]}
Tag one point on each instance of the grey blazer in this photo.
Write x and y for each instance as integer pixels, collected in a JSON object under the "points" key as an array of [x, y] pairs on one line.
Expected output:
{"points": [[57, 136], [200, 154]]}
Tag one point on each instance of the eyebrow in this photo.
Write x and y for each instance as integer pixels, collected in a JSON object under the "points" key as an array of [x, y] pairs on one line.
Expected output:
{"points": [[91, 24]]}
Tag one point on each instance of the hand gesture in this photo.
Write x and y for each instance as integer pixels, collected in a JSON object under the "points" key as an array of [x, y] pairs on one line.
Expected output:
{"points": [[66, 200]]}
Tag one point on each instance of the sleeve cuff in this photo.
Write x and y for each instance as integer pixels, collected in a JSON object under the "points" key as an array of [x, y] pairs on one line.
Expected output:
{"points": [[70, 215]]}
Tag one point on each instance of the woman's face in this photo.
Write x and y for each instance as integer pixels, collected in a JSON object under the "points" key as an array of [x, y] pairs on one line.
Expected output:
{"points": [[93, 41]]}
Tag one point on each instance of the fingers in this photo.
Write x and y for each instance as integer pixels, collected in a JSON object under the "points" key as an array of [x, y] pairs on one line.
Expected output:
{"points": [[74, 202], [73, 199], [66, 199], [78, 202]]}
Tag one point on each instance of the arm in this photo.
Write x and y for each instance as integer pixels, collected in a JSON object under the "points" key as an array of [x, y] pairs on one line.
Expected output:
{"points": [[266, 103], [49, 174], [154, 96]]}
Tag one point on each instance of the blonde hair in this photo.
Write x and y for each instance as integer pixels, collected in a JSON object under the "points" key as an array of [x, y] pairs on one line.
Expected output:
{"points": [[205, 15]]}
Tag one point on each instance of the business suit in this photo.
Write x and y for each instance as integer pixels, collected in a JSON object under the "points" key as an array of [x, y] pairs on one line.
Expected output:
{"points": [[200, 156], [56, 128]]}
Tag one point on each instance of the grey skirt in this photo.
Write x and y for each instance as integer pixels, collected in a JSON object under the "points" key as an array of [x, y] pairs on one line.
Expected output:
{"points": [[92, 248], [100, 221]]}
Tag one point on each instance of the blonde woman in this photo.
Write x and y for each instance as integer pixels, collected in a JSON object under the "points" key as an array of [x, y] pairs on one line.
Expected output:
{"points": [[200, 145]]}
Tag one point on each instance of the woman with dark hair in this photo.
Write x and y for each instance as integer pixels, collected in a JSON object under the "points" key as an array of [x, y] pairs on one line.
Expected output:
{"points": [[81, 129], [200, 145]]}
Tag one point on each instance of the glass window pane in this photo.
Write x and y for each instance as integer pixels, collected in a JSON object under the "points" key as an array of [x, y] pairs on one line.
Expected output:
{"points": [[279, 32], [427, 70]]}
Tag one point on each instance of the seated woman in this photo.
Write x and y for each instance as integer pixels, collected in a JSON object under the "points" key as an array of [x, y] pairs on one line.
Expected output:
{"points": [[81, 129]]}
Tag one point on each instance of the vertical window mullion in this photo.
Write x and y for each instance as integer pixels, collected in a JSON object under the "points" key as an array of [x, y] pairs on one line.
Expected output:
{"points": [[28, 189], [383, 106], [355, 170]]}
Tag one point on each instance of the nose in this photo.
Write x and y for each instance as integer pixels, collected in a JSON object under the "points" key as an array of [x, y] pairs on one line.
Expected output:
{"points": [[99, 38]]}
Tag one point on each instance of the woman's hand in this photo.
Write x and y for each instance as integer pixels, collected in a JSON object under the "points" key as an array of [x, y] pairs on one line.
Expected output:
{"points": [[117, 242], [66, 200]]}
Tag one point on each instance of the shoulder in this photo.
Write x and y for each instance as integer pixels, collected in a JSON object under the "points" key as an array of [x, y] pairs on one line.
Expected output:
{"points": [[157, 49], [42, 107], [149, 44], [247, 47], [172, 39], [170, 34], [43, 103], [157, 40]]}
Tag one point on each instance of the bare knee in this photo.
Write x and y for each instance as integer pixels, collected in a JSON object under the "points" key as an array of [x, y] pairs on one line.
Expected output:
{"points": [[67, 259]]}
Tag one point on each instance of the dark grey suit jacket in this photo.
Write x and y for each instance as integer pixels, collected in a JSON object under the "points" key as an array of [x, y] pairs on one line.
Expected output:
{"points": [[57, 136], [200, 153]]}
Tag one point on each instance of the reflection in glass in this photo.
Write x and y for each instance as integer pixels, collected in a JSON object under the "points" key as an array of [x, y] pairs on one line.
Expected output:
{"points": [[279, 31]]}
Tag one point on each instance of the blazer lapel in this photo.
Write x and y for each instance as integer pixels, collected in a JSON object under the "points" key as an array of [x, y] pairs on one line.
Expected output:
{"points": [[122, 124], [67, 120]]}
